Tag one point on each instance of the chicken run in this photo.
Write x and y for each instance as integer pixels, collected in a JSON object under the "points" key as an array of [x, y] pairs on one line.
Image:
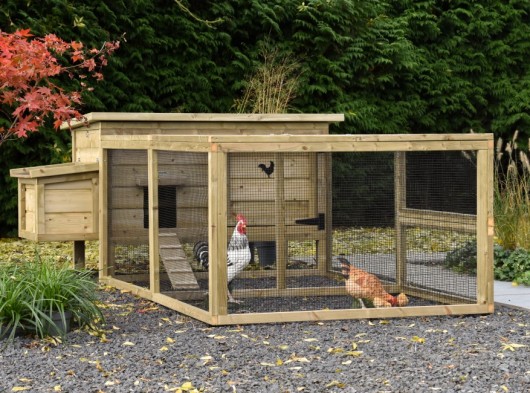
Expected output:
{"points": [[235, 219]]}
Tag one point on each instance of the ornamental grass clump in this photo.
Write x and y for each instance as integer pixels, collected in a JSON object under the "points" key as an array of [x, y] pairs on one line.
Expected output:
{"points": [[512, 195], [273, 85], [18, 310], [512, 211], [40, 297]]}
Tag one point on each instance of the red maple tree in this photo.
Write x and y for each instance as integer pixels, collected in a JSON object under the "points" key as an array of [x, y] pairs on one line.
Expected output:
{"points": [[28, 95]]}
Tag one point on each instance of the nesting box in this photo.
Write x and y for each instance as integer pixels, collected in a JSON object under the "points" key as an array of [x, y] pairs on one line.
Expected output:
{"points": [[58, 202], [415, 211]]}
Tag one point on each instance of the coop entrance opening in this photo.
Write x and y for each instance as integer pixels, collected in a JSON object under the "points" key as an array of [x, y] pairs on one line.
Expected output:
{"points": [[167, 205]]}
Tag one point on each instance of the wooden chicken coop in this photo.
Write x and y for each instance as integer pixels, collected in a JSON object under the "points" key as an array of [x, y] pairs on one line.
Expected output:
{"points": [[413, 210]]}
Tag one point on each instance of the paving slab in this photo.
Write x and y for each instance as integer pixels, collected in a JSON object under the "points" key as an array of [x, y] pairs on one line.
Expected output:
{"points": [[513, 295]]}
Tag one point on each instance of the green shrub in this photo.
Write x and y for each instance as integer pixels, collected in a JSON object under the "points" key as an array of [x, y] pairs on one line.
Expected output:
{"points": [[513, 266], [463, 259]]}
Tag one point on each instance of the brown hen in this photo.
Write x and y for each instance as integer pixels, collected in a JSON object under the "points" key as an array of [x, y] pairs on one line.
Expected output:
{"points": [[363, 285]]}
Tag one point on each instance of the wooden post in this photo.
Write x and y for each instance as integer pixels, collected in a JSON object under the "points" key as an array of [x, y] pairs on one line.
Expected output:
{"points": [[485, 228], [281, 240], [217, 232], [154, 259], [325, 248], [79, 254], [400, 203], [104, 249]]}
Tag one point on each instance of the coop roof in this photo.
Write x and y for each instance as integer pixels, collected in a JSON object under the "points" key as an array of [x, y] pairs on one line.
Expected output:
{"points": [[204, 117]]}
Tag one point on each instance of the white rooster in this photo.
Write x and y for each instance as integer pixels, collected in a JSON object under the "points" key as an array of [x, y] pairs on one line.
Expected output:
{"points": [[238, 256]]}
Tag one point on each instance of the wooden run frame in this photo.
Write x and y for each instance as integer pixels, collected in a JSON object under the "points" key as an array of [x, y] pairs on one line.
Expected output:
{"points": [[219, 146]]}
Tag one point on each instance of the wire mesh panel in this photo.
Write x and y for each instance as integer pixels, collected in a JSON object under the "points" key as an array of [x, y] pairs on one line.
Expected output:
{"points": [[182, 219], [128, 237], [183, 225], [286, 202], [440, 197], [404, 221]]}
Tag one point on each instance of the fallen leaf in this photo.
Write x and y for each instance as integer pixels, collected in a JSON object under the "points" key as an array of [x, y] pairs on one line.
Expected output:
{"points": [[310, 340], [20, 388], [170, 340], [128, 343], [417, 339], [164, 348], [187, 386], [511, 346], [57, 388], [337, 384], [216, 337]]}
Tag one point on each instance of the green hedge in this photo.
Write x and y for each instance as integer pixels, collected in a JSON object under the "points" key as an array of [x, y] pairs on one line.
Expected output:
{"points": [[396, 66]]}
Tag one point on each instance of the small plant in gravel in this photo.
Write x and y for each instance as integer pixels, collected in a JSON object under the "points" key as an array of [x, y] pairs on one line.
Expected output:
{"points": [[40, 296]]}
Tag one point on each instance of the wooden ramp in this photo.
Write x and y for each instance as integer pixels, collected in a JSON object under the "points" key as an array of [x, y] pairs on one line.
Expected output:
{"points": [[175, 262]]}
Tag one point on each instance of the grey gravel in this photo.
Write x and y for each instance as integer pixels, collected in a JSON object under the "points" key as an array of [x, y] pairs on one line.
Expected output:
{"points": [[144, 347]]}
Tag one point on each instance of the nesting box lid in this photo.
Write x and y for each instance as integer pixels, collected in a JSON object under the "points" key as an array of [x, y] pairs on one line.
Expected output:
{"points": [[53, 170]]}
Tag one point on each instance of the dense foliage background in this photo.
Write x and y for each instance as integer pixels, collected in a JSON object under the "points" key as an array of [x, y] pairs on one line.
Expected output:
{"points": [[394, 66]]}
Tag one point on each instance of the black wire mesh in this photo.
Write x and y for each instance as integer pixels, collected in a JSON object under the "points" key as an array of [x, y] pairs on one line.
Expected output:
{"points": [[128, 238], [359, 192], [307, 215]]}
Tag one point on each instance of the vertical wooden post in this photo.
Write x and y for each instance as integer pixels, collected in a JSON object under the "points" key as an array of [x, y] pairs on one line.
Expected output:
{"points": [[281, 239], [485, 228], [21, 207], [154, 258], [104, 247], [217, 231], [79, 254], [400, 203], [40, 208], [324, 184]]}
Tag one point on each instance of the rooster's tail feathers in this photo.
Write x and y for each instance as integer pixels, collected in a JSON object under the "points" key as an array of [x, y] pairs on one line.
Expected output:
{"points": [[345, 266], [200, 252]]}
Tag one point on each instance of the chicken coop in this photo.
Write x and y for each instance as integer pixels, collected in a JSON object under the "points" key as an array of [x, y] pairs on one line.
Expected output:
{"points": [[412, 211]]}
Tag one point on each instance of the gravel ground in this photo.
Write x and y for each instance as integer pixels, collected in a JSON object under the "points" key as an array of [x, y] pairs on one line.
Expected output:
{"points": [[144, 347]]}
